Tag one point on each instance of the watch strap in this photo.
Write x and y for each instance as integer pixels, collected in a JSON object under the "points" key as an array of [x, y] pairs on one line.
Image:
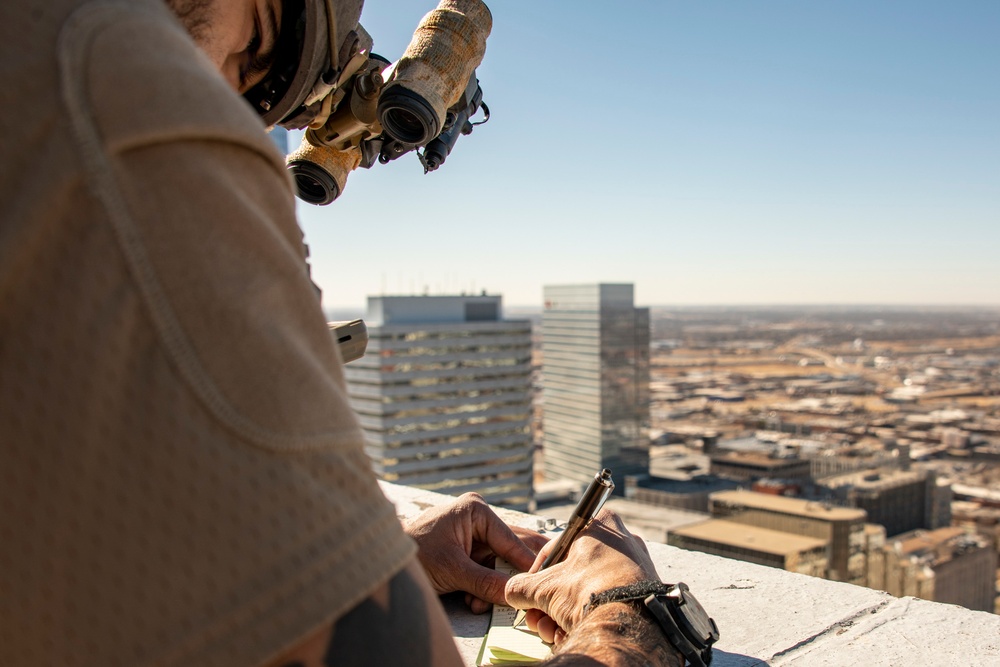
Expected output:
{"points": [[661, 612], [639, 590], [662, 601]]}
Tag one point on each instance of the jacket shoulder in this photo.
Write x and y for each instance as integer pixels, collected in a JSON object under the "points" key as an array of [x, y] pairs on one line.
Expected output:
{"points": [[142, 80]]}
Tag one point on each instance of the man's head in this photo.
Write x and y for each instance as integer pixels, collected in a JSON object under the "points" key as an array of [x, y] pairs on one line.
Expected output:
{"points": [[238, 36], [251, 40]]}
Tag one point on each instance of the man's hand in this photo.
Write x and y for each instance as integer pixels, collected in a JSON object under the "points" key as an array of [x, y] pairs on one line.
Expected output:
{"points": [[458, 544], [604, 556]]}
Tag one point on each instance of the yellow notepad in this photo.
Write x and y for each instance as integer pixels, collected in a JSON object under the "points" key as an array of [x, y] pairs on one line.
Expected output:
{"points": [[506, 645]]}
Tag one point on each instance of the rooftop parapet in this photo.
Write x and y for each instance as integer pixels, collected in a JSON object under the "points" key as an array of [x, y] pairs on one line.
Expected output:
{"points": [[769, 617]]}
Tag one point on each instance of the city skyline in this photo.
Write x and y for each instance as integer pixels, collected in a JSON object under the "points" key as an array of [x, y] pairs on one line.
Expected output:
{"points": [[774, 153]]}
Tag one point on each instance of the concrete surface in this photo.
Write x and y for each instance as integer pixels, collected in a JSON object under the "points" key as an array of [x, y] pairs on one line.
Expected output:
{"points": [[772, 617]]}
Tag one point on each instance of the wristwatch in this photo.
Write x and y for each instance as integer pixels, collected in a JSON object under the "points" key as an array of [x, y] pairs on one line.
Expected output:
{"points": [[685, 622]]}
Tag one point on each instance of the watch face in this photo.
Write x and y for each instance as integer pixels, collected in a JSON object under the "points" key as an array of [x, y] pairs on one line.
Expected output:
{"points": [[693, 615]]}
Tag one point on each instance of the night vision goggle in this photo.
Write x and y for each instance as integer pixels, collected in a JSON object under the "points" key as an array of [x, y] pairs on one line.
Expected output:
{"points": [[357, 107]]}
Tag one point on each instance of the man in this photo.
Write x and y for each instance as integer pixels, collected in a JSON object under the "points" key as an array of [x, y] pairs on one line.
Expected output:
{"points": [[183, 480]]}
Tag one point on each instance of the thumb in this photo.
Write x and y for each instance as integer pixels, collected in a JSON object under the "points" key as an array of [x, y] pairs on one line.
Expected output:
{"points": [[542, 591], [528, 591]]}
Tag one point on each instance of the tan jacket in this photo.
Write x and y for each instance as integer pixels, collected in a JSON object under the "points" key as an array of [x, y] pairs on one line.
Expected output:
{"points": [[181, 478]]}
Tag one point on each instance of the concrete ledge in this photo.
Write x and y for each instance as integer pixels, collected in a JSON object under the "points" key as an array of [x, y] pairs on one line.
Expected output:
{"points": [[772, 617]]}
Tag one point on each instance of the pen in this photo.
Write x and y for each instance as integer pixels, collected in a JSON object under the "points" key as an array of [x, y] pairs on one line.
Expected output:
{"points": [[588, 507]]}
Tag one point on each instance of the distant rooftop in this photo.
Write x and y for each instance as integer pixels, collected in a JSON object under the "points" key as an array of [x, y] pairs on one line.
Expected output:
{"points": [[749, 444], [693, 484], [871, 480], [977, 492], [744, 536], [942, 543], [388, 310], [789, 505], [759, 458]]}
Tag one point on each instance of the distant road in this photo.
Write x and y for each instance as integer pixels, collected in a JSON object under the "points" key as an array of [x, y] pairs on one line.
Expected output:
{"points": [[883, 379]]}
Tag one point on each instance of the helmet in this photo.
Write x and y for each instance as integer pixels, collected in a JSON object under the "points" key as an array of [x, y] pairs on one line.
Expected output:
{"points": [[317, 39]]}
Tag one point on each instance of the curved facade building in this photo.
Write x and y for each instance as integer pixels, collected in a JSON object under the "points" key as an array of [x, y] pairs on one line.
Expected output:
{"points": [[444, 396]]}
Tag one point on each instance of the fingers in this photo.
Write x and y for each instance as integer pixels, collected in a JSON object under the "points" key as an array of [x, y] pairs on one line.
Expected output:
{"points": [[531, 618], [482, 582], [489, 528], [540, 557], [605, 555], [475, 605], [546, 626], [533, 540], [546, 629], [480, 606], [457, 543]]}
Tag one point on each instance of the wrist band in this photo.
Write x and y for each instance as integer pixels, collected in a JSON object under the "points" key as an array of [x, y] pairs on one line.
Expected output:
{"points": [[683, 620], [640, 590]]}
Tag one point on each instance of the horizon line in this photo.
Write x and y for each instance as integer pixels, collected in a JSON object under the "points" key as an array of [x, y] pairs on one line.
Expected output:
{"points": [[862, 305]]}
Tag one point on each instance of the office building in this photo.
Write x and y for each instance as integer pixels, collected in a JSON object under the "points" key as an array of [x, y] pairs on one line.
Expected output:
{"points": [[774, 548], [688, 493], [875, 556], [900, 500], [945, 565], [443, 396], [748, 466], [842, 528], [595, 371]]}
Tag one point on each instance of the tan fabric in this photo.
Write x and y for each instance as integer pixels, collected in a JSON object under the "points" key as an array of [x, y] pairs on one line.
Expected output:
{"points": [[181, 479], [447, 46]]}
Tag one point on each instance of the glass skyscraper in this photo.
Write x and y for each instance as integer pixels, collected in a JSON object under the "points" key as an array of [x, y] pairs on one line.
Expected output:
{"points": [[595, 375]]}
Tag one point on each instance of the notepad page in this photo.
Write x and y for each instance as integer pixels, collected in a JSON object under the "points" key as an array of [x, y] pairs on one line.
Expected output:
{"points": [[506, 645]]}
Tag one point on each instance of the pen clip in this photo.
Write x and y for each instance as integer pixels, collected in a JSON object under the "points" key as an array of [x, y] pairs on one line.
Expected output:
{"points": [[603, 485], [605, 494]]}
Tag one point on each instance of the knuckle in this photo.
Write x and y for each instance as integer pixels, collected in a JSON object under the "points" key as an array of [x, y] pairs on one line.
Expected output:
{"points": [[471, 499], [474, 498], [517, 589]]}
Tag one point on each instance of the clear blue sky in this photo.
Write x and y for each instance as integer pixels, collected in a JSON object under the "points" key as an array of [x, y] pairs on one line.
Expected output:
{"points": [[709, 152]]}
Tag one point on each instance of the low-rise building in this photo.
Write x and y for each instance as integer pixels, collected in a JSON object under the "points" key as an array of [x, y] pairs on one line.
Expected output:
{"points": [[840, 527], [754, 465], [983, 520], [774, 548], [945, 565], [690, 493], [900, 500], [875, 556]]}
